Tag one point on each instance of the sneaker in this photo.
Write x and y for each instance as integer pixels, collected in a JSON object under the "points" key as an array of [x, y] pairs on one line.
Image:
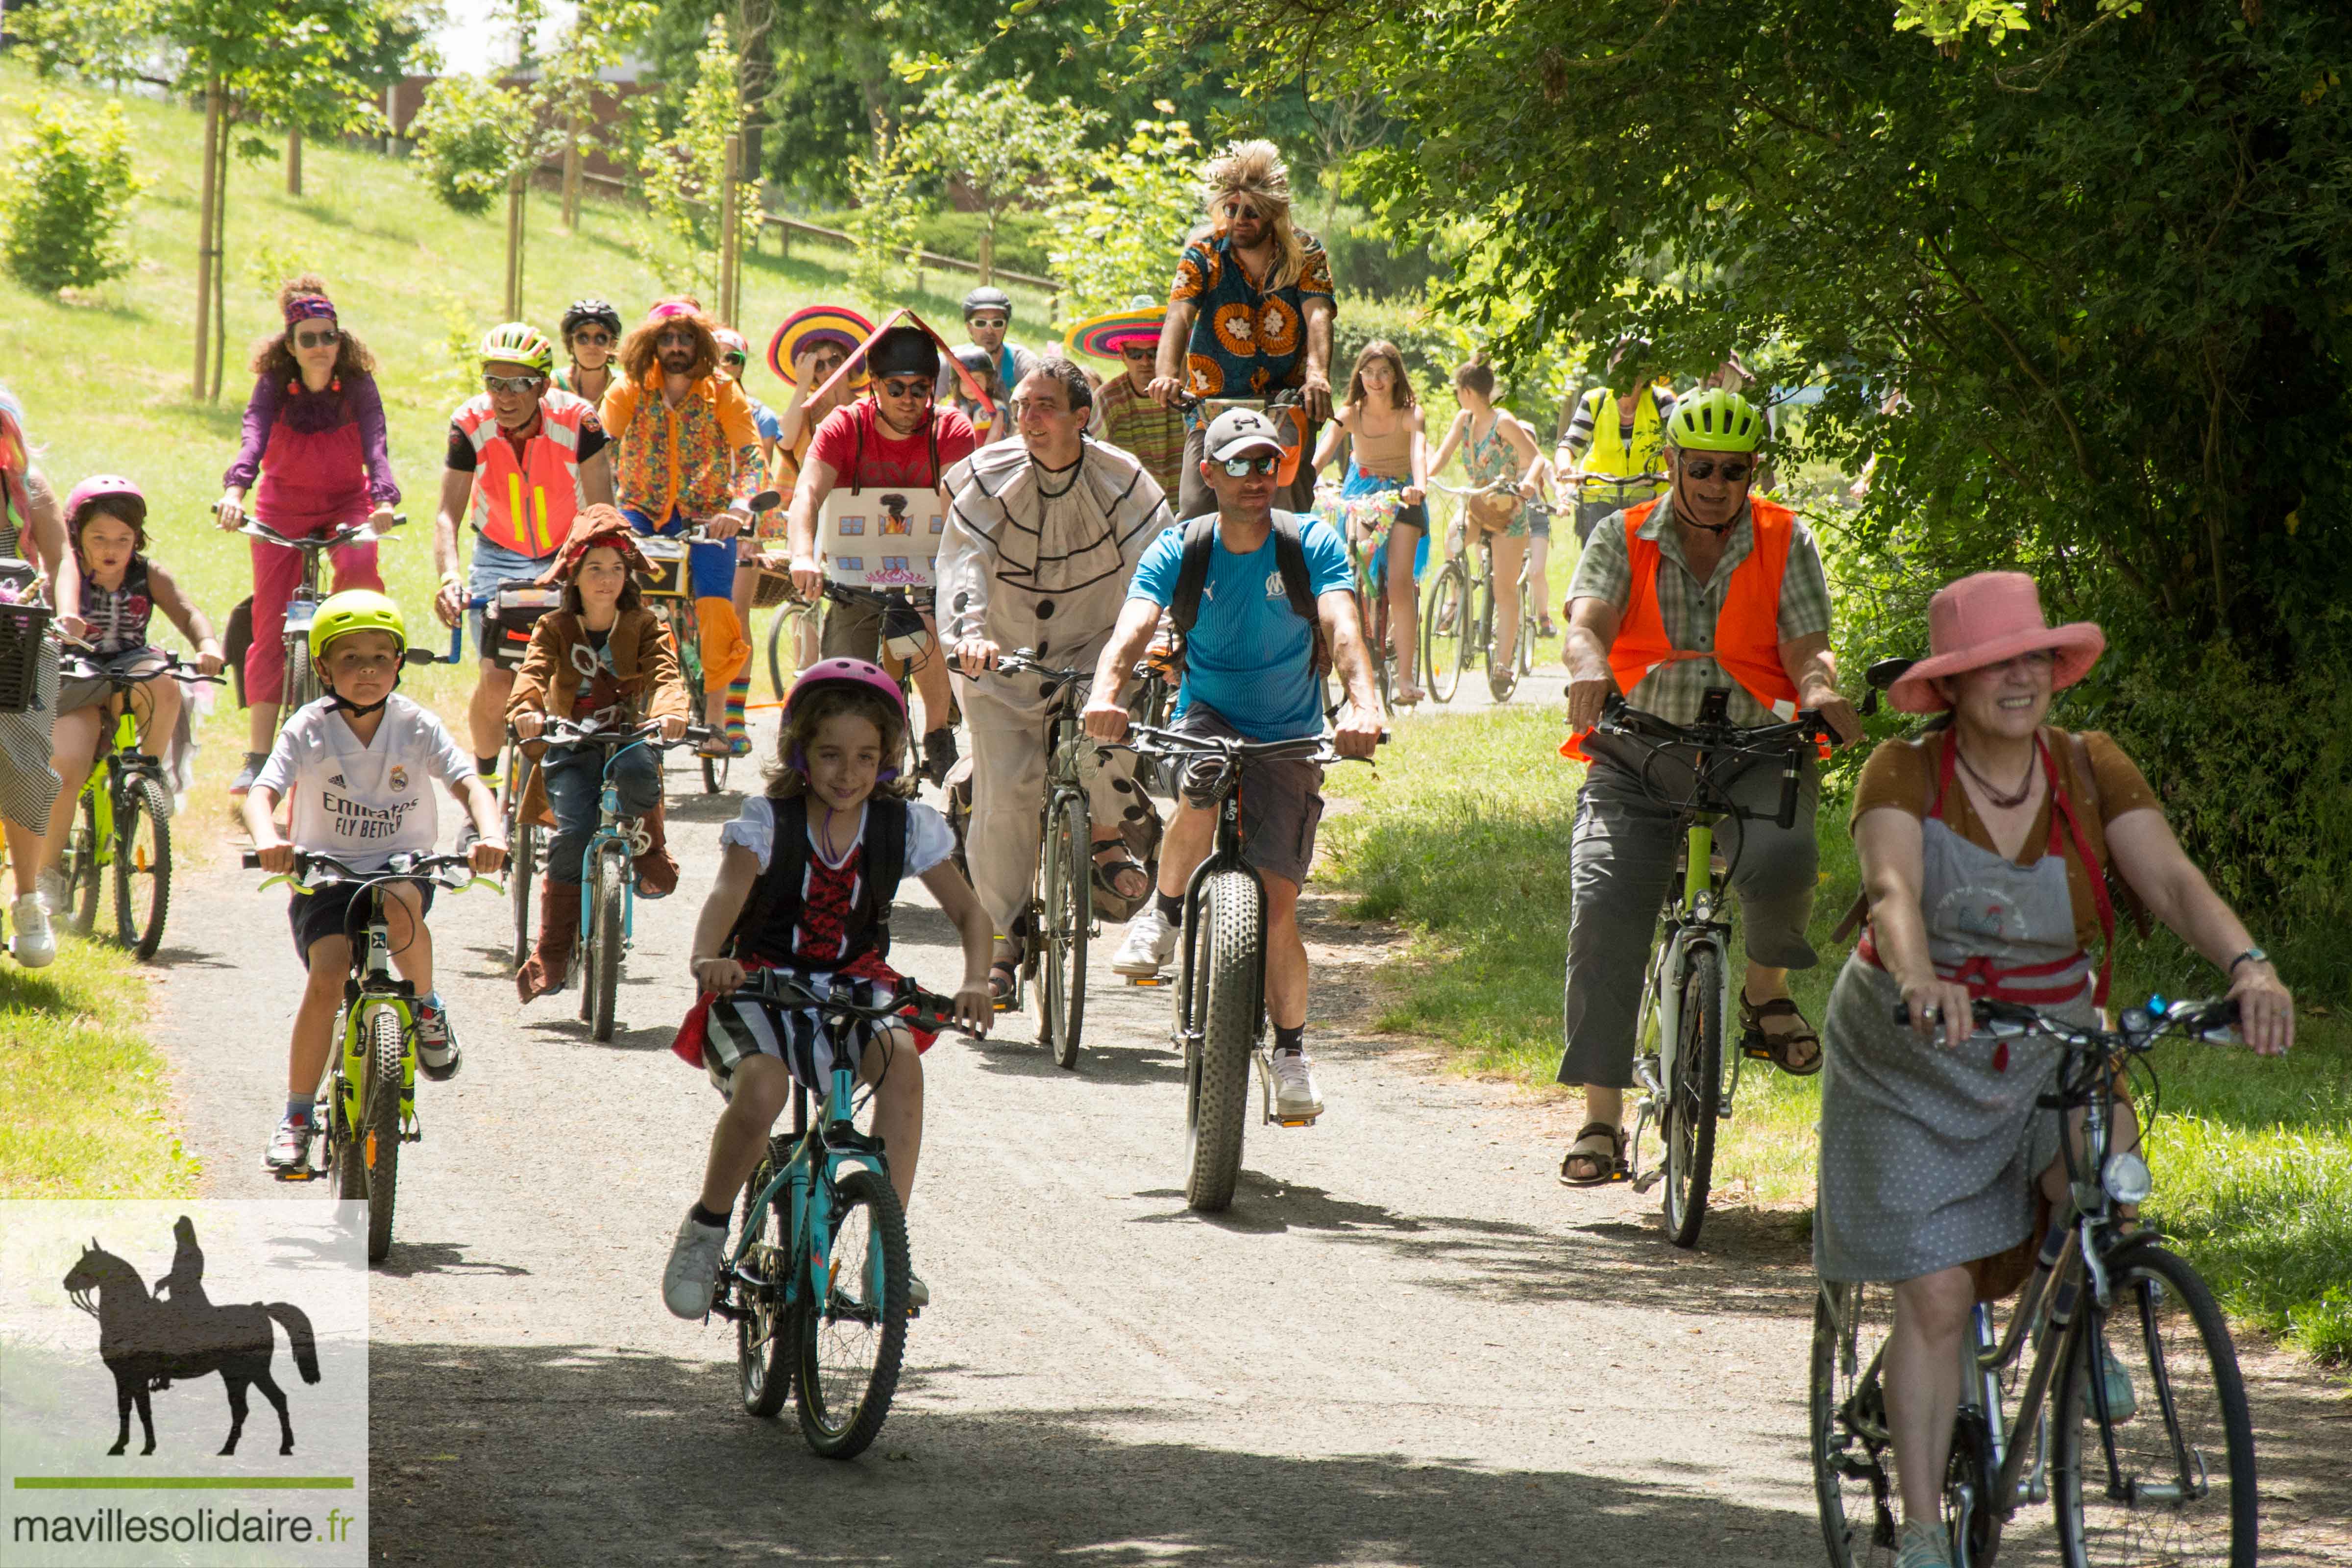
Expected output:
{"points": [[918, 1295], [939, 754], [241, 786], [692, 1273], [1150, 944], [51, 886], [1924, 1546], [32, 945], [289, 1146], [1296, 1097], [436, 1041]]}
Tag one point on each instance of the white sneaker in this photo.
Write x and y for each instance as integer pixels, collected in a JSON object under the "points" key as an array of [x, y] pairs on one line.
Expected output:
{"points": [[692, 1274], [1295, 1098], [1151, 944], [33, 945], [918, 1295], [52, 888]]}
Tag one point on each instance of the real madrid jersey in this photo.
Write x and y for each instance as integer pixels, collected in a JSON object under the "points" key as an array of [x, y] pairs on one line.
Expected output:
{"points": [[364, 804]]}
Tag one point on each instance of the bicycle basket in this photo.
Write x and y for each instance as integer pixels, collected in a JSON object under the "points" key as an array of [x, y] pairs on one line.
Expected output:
{"points": [[770, 589], [509, 617], [21, 626], [668, 579]]}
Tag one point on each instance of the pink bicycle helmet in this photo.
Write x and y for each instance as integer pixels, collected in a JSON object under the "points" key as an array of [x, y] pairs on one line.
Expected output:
{"points": [[97, 485], [852, 672]]}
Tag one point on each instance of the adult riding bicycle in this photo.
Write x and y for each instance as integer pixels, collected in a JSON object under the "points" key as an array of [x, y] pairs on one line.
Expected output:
{"points": [[301, 685], [669, 592], [1457, 623], [122, 830], [367, 1107], [2132, 1421], [1687, 1079], [816, 1271]]}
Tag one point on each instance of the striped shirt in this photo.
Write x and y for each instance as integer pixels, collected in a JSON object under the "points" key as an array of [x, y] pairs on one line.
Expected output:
{"points": [[1136, 424]]}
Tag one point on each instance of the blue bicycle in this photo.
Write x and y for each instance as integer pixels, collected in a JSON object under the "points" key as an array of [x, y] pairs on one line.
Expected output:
{"points": [[815, 1273]]}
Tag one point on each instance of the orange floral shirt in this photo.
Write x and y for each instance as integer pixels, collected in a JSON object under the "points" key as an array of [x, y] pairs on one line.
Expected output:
{"points": [[1246, 342]]}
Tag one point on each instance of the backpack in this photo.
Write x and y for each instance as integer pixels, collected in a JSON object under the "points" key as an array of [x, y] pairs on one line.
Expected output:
{"points": [[779, 887], [1290, 558]]}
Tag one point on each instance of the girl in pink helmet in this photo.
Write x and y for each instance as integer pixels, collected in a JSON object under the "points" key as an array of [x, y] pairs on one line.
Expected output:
{"points": [[806, 878]]}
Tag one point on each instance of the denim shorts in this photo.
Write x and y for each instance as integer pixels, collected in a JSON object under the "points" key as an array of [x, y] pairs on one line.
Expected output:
{"points": [[494, 565]]}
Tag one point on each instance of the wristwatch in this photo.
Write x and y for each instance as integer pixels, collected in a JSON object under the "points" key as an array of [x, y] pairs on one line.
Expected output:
{"points": [[2252, 955]]}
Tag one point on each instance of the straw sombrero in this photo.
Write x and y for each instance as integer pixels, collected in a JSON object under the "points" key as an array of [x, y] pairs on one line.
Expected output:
{"points": [[823, 323], [1103, 336]]}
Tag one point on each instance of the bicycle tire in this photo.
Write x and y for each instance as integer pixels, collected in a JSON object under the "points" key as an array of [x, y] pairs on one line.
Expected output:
{"points": [[767, 1336], [1502, 675], [844, 1396], [302, 687], [1694, 1092], [1225, 1012], [1441, 650], [142, 864], [82, 857], [604, 970], [2174, 1342], [522, 871], [714, 774], [1853, 1446], [775, 652], [379, 1129], [1069, 908]]}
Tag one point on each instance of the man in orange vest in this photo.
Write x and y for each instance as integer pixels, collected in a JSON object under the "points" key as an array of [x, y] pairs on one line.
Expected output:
{"points": [[1701, 587], [524, 457]]}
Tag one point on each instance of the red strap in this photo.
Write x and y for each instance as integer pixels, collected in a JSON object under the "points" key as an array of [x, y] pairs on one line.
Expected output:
{"points": [[2092, 869]]}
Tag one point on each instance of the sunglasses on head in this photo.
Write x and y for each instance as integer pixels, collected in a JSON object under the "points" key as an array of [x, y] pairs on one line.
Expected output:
{"points": [[1241, 467], [905, 385], [316, 339], [1733, 470], [513, 383]]}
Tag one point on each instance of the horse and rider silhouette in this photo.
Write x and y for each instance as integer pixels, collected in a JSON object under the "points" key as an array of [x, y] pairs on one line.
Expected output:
{"points": [[148, 1343]]}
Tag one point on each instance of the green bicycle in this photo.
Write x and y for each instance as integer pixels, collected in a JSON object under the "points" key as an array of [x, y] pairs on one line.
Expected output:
{"points": [[367, 1107]]}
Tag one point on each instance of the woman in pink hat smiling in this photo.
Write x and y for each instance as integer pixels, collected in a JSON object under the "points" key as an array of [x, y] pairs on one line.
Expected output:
{"points": [[1985, 850]]}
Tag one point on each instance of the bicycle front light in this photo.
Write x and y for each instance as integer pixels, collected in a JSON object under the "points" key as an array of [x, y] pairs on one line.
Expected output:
{"points": [[2127, 1178]]}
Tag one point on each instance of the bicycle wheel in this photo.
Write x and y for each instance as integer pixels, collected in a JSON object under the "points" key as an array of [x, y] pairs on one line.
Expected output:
{"points": [[1069, 907], [1853, 1454], [1442, 628], [604, 974], [776, 651], [767, 1336], [1224, 990], [142, 864], [2177, 1485], [522, 871], [379, 1129], [1694, 1092], [84, 848], [302, 687], [851, 1346], [1502, 674]]}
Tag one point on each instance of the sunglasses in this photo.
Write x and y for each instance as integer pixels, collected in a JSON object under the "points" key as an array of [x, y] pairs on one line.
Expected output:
{"points": [[675, 340], [1242, 467], [318, 340], [903, 385], [1241, 213], [738, 361], [1144, 352], [990, 324], [1707, 468], [596, 340], [513, 383]]}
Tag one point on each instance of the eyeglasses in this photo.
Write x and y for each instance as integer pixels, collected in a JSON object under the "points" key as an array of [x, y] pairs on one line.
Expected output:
{"points": [[318, 340], [1242, 467], [513, 383], [1143, 352], [595, 340], [989, 323], [738, 361], [903, 385], [1707, 468]]}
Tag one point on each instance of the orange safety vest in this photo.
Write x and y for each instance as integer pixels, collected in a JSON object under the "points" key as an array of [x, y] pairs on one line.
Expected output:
{"points": [[1746, 629], [527, 505]]}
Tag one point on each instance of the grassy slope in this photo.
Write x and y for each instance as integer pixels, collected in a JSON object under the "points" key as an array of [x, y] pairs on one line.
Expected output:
{"points": [[1465, 839]]}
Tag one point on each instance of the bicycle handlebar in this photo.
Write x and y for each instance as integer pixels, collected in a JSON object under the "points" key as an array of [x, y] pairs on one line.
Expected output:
{"points": [[573, 732], [1317, 748], [1744, 744], [357, 534], [166, 663], [924, 1009], [2138, 1029], [434, 868]]}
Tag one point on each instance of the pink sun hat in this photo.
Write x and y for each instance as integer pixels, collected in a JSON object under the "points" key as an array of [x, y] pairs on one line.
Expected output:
{"points": [[1988, 618]]}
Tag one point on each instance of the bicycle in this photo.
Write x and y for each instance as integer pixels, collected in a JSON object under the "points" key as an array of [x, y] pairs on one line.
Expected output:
{"points": [[1689, 1081], [302, 686], [124, 822], [367, 1108], [1372, 515], [905, 643], [820, 1223], [669, 592], [1220, 1001], [1458, 622], [1628, 489], [2136, 1478]]}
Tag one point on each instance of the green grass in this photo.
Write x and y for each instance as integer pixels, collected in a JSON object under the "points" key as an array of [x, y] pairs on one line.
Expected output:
{"points": [[83, 1110], [1462, 839]]}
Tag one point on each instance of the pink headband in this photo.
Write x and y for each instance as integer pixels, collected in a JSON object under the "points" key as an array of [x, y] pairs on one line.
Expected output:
{"points": [[668, 307], [308, 307]]}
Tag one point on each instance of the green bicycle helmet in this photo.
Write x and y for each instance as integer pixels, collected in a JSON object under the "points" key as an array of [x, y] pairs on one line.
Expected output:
{"points": [[518, 343], [355, 610], [1716, 421]]}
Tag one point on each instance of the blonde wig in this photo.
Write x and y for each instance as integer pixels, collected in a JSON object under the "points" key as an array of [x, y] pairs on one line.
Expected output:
{"points": [[1256, 170]]}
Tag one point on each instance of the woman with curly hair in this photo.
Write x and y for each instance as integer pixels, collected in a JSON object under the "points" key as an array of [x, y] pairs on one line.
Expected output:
{"points": [[314, 438]]}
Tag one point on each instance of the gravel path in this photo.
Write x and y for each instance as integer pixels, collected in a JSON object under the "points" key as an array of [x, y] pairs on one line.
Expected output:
{"points": [[1406, 1344]]}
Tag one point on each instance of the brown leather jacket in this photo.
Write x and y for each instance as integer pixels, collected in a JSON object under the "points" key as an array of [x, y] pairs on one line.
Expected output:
{"points": [[644, 664]]}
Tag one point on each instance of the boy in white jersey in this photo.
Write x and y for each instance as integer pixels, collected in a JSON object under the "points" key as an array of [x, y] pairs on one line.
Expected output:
{"points": [[360, 763]]}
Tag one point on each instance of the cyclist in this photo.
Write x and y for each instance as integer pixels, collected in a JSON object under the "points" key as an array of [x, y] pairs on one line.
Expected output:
{"points": [[1496, 443], [1249, 314], [985, 412], [735, 359], [1251, 670], [689, 453], [32, 542], [317, 417], [987, 317], [361, 762], [591, 330], [1595, 444], [1125, 414], [1380, 393], [1041, 540], [1985, 850], [524, 457], [106, 522], [607, 659], [809, 347], [894, 437], [806, 876], [1702, 587]]}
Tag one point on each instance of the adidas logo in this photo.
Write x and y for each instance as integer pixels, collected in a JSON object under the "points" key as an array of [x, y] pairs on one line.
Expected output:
{"points": [[337, 780]]}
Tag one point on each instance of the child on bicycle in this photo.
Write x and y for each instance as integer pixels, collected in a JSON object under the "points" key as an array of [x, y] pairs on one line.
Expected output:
{"points": [[606, 660], [1384, 420], [806, 876], [106, 524], [360, 763]]}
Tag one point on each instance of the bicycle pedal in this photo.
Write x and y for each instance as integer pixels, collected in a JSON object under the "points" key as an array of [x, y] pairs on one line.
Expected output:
{"points": [[1146, 981], [1295, 1121], [298, 1173], [1648, 1179]]}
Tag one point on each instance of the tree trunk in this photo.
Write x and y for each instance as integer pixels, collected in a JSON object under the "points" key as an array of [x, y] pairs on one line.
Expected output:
{"points": [[204, 242], [515, 188], [294, 162], [572, 161], [731, 231], [220, 253], [988, 252]]}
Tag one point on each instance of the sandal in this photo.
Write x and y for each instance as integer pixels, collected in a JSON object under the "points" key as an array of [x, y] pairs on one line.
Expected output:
{"points": [[1781, 1049], [1108, 872], [1606, 1168], [1003, 982]]}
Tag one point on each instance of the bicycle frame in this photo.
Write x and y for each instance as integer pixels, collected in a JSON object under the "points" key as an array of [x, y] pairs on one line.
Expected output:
{"points": [[824, 1148], [1225, 855], [1690, 919]]}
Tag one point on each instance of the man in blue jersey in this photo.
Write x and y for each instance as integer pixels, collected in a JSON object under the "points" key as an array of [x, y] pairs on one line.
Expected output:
{"points": [[1253, 656]]}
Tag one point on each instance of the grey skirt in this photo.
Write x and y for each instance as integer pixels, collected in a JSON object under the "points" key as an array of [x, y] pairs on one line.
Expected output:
{"points": [[28, 785], [1929, 1155]]}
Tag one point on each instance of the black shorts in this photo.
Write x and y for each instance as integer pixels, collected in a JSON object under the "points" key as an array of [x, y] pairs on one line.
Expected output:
{"points": [[317, 916]]}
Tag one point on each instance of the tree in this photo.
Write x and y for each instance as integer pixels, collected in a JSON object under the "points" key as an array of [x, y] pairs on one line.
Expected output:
{"points": [[1003, 147], [472, 135], [1115, 236], [685, 171], [69, 187], [565, 96]]}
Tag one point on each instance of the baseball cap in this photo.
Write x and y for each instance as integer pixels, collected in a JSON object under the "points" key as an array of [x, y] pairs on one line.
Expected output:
{"points": [[1239, 431]]}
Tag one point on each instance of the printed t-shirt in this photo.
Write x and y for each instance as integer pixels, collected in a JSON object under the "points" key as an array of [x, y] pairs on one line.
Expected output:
{"points": [[852, 438], [365, 803], [1250, 657]]}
